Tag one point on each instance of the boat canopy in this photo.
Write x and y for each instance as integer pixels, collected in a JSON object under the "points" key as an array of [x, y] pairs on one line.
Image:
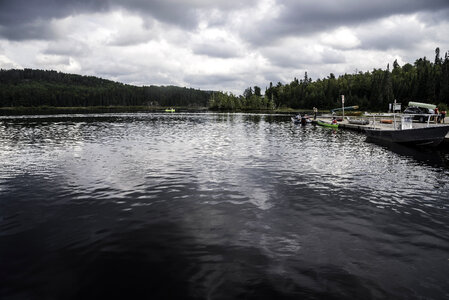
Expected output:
{"points": [[423, 105]]}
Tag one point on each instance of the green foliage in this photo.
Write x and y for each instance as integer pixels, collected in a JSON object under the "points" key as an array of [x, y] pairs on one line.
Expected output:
{"points": [[228, 101], [442, 106], [424, 81], [36, 88]]}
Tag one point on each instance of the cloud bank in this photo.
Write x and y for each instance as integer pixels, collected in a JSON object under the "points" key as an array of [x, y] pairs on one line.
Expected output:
{"points": [[221, 45]]}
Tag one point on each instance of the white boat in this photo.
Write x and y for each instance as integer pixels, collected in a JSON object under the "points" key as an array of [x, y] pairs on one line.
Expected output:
{"points": [[404, 131], [357, 121]]}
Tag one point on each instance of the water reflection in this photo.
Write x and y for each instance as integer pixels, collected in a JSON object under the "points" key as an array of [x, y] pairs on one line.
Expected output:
{"points": [[218, 205], [435, 157]]}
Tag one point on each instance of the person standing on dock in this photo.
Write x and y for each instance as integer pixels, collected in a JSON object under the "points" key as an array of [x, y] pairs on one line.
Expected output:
{"points": [[437, 117], [315, 111], [443, 115]]}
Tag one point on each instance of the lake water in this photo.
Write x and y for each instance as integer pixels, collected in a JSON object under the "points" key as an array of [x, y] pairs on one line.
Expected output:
{"points": [[216, 206]]}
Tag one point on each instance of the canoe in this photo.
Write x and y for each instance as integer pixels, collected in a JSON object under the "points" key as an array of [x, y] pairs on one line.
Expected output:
{"points": [[386, 121], [346, 108], [170, 110], [422, 105], [325, 124]]}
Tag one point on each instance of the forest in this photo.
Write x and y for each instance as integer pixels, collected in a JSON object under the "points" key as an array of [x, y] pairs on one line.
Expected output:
{"points": [[35, 88], [424, 81]]}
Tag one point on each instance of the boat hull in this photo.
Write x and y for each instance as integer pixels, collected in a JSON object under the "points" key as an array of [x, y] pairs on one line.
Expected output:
{"points": [[358, 122], [431, 136], [324, 124]]}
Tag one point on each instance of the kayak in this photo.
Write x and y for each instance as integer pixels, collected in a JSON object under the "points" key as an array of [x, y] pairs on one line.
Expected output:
{"points": [[170, 110], [325, 124], [302, 121]]}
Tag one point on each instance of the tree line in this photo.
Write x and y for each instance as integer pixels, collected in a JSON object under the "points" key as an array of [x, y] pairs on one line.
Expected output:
{"points": [[250, 100], [424, 81], [34, 88]]}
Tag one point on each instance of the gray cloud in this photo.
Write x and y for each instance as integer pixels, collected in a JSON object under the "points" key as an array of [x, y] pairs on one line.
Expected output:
{"points": [[67, 48], [385, 41], [223, 44], [218, 49], [23, 19], [200, 79], [299, 58], [37, 30], [304, 17], [24, 11]]}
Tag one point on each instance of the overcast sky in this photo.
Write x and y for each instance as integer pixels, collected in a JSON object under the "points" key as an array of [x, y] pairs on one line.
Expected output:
{"points": [[221, 45]]}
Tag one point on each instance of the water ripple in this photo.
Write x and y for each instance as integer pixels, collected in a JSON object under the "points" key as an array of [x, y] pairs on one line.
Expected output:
{"points": [[218, 205]]}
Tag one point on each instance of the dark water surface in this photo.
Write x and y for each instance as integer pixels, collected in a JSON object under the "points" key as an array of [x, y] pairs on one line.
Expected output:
{"points": [[216, 206]]}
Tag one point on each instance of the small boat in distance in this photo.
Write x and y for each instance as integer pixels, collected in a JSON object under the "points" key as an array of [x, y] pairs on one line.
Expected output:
{"points": [[303, 120], [170, 110]]}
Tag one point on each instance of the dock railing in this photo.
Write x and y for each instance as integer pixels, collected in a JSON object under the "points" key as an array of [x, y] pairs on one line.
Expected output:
{"points": [[405, 120]]}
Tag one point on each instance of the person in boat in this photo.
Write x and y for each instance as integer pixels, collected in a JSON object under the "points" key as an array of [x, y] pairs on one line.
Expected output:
{"points": [[298, 116], [334, 120]]}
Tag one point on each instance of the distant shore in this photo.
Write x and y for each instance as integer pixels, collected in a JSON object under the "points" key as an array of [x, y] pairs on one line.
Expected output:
{"points": [[44, 110]]}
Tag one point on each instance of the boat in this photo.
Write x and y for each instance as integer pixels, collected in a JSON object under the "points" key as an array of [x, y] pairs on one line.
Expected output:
{"points": [[170, 110], [422, 105], [296, 120], [347, 108], [303, 120], [431, 136], [357, 121], [326, 124], [406, 132]]}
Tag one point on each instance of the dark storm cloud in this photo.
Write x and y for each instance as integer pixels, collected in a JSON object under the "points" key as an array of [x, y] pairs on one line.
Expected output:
{"points": [[25, 11], [23, 19], [304, 17], [36, 30]]}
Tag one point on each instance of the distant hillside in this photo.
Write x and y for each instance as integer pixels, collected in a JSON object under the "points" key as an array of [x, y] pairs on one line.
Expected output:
{"points": [[33, 88]]}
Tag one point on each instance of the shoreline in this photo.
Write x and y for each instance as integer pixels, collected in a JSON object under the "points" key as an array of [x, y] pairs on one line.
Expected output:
{"points": [[44, 110]]}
